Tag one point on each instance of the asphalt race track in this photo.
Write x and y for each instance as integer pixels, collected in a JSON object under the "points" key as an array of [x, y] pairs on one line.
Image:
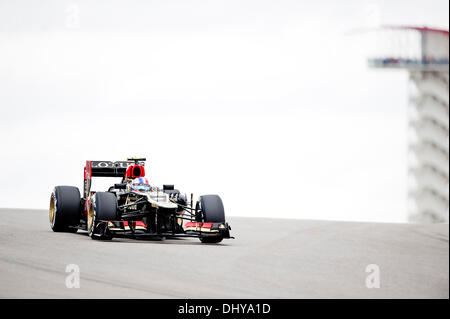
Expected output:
{"points": [[270, 258]]}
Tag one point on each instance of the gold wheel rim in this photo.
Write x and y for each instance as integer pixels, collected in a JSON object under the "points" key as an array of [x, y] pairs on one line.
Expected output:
{"points": [[52, 210], [90, 217]]}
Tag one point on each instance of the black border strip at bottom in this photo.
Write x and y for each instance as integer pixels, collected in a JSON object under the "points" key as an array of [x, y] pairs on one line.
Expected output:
{"points": [[234, 308]]}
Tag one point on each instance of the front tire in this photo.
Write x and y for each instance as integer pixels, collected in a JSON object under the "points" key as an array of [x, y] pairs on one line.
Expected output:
{"points": [[65, 209], [102, 209], [212, 211], [211, 240]]}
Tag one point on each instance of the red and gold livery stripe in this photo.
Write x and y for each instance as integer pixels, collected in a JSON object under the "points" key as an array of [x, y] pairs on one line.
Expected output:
{"points": [[197, 226]]}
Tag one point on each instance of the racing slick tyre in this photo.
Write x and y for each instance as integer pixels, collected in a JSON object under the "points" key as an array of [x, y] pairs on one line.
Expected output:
{"points": [[65, 209], [101, 210], [213, 212]]}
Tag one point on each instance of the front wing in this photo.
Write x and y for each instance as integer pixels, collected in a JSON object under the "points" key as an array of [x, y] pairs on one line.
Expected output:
{"points": [[139, 229]]}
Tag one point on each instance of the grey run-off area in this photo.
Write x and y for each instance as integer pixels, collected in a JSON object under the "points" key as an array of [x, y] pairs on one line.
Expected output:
{"points": [[270, 258]]}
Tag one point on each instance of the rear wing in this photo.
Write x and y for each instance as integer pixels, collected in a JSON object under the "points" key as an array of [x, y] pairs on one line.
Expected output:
{"points": [[107, 169]]}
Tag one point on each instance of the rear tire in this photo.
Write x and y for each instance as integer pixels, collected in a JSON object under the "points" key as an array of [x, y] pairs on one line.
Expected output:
{"points": [[213, 212], [65, 209], [103, 208]]}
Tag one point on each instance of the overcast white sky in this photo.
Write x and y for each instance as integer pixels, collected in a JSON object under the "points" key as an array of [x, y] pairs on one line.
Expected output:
{"points": [[269, 104]]}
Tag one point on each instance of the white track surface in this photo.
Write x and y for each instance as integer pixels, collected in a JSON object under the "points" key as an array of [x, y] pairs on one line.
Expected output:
{"points": [[270, 258]]}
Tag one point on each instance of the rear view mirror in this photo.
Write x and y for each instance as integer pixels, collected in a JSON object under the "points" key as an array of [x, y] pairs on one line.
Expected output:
{"points": [[120, 186]]}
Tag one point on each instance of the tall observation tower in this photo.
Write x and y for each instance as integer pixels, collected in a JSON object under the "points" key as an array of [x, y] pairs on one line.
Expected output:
{"points": [[424, 53]]}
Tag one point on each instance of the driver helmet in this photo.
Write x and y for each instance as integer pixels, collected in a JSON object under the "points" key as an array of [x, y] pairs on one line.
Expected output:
{"points": [[140, 184]]}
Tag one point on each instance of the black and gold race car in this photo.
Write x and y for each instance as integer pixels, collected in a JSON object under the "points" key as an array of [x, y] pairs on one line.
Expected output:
{"points": [[134, 208]]}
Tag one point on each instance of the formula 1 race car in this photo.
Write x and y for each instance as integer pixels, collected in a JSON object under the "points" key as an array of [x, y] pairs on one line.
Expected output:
{"points": [[134, 209]]}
